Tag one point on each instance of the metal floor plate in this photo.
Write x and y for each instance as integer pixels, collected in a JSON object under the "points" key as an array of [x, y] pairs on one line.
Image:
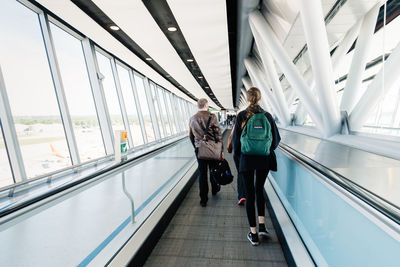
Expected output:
{"points": [[215, 235]]}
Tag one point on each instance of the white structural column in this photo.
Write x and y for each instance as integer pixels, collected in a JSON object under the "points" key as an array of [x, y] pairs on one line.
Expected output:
{"points": [[340, 52], [273, 76], [318, 49], [344, 46], [244, 92], [256, 75], [291, 73], [354, 78], [301, 114], [374, 92], [247, 83], [291, 96]]}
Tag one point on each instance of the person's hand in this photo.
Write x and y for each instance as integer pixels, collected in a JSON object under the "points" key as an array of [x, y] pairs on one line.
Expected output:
{"points": [[229, 148]]}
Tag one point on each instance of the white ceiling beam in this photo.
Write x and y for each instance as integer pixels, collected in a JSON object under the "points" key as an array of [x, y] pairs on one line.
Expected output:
{"points": [[390, 74], [269, 67], [266, 94], [300, 114], [289, 69], [318, 49], [247, 83], [344, 46], [361, 52], [340, 52], [244, 92]]}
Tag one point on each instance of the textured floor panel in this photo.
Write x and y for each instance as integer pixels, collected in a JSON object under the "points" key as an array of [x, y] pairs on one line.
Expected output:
{"points": [[214, 235], [168, 261], [215, 221]]}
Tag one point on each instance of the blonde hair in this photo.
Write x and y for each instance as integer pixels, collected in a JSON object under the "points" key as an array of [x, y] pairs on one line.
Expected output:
{"points": [[201, 103], [253, 96]]}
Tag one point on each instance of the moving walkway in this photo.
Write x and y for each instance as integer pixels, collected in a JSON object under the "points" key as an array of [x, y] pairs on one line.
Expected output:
{"points": [[318, 216]]}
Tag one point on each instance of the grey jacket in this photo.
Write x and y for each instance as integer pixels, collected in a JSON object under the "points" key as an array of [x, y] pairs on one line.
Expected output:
{"points": [[197, 125]]}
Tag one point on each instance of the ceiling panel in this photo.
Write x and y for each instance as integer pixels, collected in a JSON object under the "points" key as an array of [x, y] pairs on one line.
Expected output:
{"points": [[135, 20], [206, 32], [70, 13]]}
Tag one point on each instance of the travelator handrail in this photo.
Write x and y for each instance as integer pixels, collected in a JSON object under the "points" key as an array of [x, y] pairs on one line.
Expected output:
{"points": [[50, 176], [375, 201], [29, 201]]}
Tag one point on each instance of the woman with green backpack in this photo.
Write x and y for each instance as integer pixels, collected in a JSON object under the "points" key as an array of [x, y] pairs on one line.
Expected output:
{"points": [[255, 138]]}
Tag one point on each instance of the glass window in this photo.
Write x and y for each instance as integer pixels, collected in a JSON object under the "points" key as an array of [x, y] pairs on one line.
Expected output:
{"points": [[180, 112], [145, 108], [30, 91], [161, 96], [129, 100], [383, 117], [171, 113], [156, 108], [78, 93], [175, 106], [110, 92], [187, 112], [5, 172]]}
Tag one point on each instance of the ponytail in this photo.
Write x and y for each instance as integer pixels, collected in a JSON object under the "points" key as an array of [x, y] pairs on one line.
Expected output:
{"points": [[253, 96]]}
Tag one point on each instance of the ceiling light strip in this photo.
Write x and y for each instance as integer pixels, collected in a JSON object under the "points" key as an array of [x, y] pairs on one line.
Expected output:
{"points": [[162, 14], [94, 12]]}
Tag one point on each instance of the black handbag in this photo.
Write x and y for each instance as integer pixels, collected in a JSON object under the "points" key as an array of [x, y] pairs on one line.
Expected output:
{"points": [[209, 149], [221, 173]]}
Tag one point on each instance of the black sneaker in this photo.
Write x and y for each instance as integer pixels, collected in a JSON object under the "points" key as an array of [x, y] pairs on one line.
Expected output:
{"points": [[262, 231], [253, 238], [203, 204]]}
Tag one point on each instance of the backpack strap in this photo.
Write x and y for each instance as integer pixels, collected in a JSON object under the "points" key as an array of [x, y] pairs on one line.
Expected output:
{"points": [[206, 129]]}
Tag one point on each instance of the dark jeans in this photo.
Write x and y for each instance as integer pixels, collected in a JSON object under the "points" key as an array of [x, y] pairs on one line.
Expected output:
{"points": [[203, 183], [261, 176], [241, 188]]}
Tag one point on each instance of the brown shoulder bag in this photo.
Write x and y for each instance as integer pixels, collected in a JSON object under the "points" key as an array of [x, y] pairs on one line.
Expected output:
{"points": [[210, 149]]}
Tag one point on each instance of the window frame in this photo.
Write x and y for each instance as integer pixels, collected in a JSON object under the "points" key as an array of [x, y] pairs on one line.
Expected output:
{"points": [[102, 93], [134, 93], [81, 40]]}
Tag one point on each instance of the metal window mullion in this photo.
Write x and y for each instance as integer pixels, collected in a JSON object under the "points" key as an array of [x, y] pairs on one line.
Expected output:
{"points": [[10, 135], [98, 96], [174, 100], [121, 101], [153, 114], [171, 96], [178, 113], [138, 108], [187, 113], [59, 89], [160, 110], [181, 114], [164, 93], [172, 112]]}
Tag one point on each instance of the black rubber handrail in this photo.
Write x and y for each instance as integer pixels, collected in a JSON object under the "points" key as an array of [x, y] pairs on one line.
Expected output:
{"points": [[377, 202], [33, 200]]}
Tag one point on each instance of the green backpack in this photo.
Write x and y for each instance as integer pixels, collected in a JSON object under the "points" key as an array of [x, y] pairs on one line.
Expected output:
{"points": [[256, 137]]}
